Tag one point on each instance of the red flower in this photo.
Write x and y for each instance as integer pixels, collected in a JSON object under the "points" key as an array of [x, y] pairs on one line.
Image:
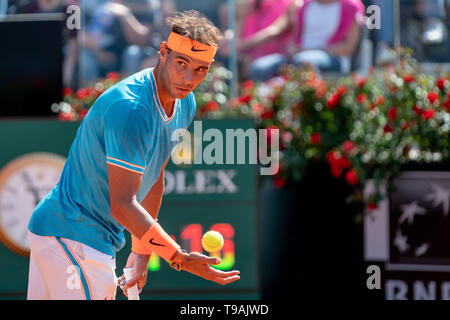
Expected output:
{"points": [[360, 82], [257, 108], [83, 113], [332, 101], [268, 114], [66, 116], [82, 93], [248, 85], [351, 177], [387, 128], [371, 206], [244, 98], [441, 83], [344, 163], [98, 92], [336, 172], [67, 92], [319, 86], [334, 98], [409, 78], [379, 101], [210, 106], [361, 98], [348, 146], [113, 76], [447, 105], [337, 163], [341, 90], [392, 113], [428, 114], [233, 103], [315, 138], [432, 96], [417, 110], [332, 157]]}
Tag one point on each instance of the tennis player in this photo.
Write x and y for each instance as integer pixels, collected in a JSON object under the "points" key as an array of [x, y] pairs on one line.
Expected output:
{"points": [[113, 178]]}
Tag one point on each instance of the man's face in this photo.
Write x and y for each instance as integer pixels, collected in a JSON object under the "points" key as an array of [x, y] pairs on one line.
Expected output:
{"points": [[181, 74]]}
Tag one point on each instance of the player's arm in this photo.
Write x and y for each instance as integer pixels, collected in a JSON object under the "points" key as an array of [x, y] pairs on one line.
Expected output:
{"points": [[124, 185], [153, 199]]}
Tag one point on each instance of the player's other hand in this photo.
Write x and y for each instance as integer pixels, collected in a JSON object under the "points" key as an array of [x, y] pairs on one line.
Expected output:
{"points": [[139, 263], [200, 265]]}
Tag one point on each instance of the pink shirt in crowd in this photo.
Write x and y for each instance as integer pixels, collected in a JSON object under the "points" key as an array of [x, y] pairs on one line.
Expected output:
{"points": [[349, 11], [269, 12]]}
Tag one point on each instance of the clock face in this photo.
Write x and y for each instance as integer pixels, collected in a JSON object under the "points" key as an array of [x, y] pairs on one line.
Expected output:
{"points": [[24, 181]]}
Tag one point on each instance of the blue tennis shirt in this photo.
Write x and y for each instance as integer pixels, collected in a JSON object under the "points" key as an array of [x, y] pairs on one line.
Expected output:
{"points": [[126, 127]]}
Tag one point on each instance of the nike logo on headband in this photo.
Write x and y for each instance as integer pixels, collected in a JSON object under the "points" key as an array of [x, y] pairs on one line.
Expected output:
{"points": [[193, 49]]}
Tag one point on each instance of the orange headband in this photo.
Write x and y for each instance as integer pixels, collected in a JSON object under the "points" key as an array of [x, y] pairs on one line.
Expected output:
{"points": [[191, 48]]}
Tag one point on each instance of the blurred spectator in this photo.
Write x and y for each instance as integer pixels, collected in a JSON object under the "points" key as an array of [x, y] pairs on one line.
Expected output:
{"points": [[120, 35], [321, 33], [152, 14], [105, 39], [264, 36], [70, 46], [424, 29], [327, 34], [422, 25], [384, 37]]}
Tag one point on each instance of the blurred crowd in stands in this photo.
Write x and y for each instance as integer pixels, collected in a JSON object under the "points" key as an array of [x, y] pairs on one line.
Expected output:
{"points": [[124, 35]]}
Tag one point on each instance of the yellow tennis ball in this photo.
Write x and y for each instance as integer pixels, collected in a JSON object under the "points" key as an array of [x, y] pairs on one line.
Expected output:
{"points": [[212, 241]]}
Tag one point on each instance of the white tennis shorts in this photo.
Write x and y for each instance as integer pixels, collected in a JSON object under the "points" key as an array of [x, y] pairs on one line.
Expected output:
{"points": [[63, 269]]}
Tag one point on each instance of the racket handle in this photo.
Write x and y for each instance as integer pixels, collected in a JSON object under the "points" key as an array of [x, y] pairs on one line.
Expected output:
{"points": [[133, 292]]}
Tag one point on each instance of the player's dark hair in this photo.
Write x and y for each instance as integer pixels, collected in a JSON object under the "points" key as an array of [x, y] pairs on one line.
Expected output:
{"points": [[194, 25]]}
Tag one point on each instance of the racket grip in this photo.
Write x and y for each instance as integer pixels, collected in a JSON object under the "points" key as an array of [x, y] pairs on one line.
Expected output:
{"points": [[133, 292]]}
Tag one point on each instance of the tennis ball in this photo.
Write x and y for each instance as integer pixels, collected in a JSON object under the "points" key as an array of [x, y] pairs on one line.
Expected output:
{"points": [[212, 241]]}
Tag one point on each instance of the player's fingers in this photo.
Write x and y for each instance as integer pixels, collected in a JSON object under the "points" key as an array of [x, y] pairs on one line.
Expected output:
{"points": [[141, 282], [121, 281], [227, 280], [224, 274], [231, 279], [131, 282], [223, 277]]}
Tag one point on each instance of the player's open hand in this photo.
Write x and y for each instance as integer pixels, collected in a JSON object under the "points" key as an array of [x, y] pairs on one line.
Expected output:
{"points": [[200, 265]]}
